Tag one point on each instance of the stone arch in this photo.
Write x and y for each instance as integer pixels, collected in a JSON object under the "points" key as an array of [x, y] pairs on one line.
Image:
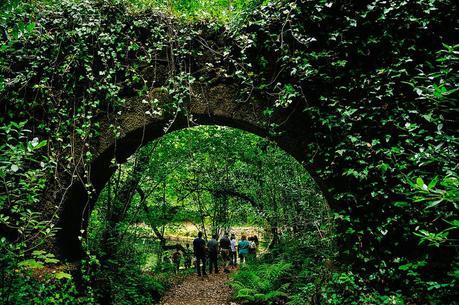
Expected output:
{"points": [[214, 105]]}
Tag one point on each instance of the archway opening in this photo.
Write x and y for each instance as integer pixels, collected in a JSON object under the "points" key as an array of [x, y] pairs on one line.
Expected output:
{"points": [[137, 127], [216, 180]]}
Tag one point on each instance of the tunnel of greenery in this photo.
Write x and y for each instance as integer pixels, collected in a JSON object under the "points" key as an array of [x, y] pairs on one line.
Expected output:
{"points": [[100, 174], [213, 180]]}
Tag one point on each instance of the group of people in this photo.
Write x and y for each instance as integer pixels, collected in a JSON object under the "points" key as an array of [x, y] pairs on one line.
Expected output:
{"points": [[208, 253], [227, 247]]}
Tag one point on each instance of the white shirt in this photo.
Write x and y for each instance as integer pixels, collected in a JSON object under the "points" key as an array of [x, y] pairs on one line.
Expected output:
{"points": [[233, 245]]}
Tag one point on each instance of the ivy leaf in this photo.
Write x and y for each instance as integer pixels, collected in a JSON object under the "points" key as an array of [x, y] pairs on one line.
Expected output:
{"points": [[384, 167]]}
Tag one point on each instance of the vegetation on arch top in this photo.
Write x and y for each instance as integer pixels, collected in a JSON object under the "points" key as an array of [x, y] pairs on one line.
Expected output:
{"points": [[197, 10], [220, 11]]}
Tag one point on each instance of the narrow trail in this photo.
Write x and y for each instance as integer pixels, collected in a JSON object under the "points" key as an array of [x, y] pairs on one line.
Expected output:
{"points": [[210, 290]]}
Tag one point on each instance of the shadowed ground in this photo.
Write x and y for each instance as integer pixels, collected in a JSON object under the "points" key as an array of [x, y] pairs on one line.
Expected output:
{"points": [[211, 290]]}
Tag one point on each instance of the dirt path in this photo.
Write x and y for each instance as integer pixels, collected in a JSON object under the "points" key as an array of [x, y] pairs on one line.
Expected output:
{"points": [[194, 290]]}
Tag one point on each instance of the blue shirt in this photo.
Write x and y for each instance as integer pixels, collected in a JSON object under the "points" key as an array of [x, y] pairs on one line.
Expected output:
{"points": [[243, 246]]}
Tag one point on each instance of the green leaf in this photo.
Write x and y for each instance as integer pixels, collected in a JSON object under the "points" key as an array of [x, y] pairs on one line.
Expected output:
{"points": [[405, 267], [434, 203], [38, 252], [31, 263], [62, 275], [51, 260], [384, 167], [401, 204], [420, 182], [454, 223], [433, 183]]}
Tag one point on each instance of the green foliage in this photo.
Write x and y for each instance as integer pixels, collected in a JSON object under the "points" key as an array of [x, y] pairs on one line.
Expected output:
{"points": [[293, 272], [438, 198], [261, 283], [39, 260], [127, 285], [23, 170], [22, 284], [347, 288], [197, 10], [303, 278], [372, 89], [214, 178], [14, 32], [382, 114]]}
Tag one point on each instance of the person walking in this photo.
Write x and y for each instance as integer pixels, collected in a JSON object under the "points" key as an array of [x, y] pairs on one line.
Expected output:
{"points": [[252, 248], [188, 256], [225, 249], [212, 247], [255, 239], [243, 249], [233, 251], [176, 259], [199, 249]]}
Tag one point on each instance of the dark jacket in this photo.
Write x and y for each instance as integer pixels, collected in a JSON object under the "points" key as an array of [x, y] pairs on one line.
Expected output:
{"points": [[199, 247], [225, 243]]}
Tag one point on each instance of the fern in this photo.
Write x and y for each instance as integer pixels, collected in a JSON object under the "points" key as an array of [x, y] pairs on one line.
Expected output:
{"points": [[261, 283], [275, 295], [246, 294]]}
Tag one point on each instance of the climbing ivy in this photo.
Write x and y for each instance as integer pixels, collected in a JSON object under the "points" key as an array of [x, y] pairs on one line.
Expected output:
{"points": [[372, 86], [378, 104]]}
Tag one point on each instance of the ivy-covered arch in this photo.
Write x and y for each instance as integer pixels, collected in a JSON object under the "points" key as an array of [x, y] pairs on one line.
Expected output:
{"points": [[139, 125], [361, 92]]}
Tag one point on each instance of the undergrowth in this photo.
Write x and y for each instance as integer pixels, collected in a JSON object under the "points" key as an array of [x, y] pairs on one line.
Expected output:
{"points": [[261, 283]]}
